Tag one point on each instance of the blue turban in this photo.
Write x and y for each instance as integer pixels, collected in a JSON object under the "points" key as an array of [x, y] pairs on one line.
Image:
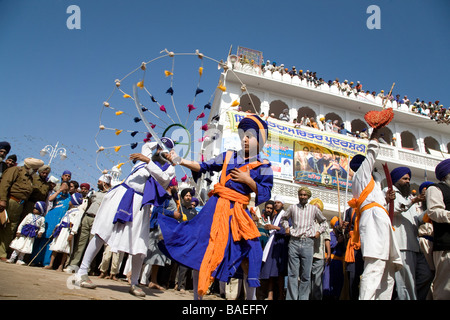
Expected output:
{"points": [[76, 199], [442, 169], [5, 145], [40, 206], [66, 172], [356, 162], [399, 172], [253, 122], [425, 185]]}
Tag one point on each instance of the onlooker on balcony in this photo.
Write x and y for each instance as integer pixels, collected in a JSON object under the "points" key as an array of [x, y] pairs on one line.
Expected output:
{"points": [[416, 105], [381, 139], [344, 131], [345, 88], [285, 115], [321, 123], [328, 126], [364, 134], [398, 100], [406, 100], [336, 128], [358, 87], [268, 66], [293, 71], [313, 123]]}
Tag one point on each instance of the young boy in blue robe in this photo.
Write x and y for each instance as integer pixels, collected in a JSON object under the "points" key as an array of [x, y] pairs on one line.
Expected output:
{"points": [[223, 236]]}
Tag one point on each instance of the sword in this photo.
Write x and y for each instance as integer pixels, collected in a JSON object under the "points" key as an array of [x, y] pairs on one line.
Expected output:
{"points": [[389, 183], [147, 124]]}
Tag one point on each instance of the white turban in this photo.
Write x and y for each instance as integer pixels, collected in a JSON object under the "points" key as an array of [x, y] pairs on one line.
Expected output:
{"points": [[279, 198], [33, 163], [53, 179], [106, 178]]}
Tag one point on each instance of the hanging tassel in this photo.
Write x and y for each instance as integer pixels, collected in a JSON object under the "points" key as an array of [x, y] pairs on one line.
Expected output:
{"points": [[136, 119], [162, 108], [200, 71], [207, 106], [117, 148], [201, 115], [222, 87], [184, 178], [234, 103], [191, 107], [118, 113], [120, 165], [170, 91], [126, 96], [153, 98], [134, 133], [149, 136], [118, 132], [198, 91], [168, 73], [144, 109], [140, 84], [133, 145], [205, 127]]}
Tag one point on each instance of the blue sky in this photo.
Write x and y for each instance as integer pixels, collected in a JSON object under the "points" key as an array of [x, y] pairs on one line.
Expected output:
{"points": [[53, 80]]}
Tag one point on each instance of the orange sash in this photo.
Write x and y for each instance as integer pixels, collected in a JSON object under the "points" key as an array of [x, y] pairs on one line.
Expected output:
{"points": [[355, 241], [242, 225]]}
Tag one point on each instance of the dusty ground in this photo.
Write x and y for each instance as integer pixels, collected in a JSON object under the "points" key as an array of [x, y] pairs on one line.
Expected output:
{"points": [[33, 283]]}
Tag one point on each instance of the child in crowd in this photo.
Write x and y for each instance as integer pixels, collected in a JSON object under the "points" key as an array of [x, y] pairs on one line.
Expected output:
{"points": [[32, 226], [65, 230]]}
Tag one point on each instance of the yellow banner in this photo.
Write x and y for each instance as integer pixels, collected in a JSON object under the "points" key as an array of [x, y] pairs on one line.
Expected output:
{"points": [[333, 141]]}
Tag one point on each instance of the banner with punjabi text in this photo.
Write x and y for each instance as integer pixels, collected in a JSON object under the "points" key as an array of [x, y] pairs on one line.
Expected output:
{"points": [[307, 155]]}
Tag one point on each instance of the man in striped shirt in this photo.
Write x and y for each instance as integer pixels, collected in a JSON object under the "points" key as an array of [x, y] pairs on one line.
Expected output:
{"points": [[301, 245]]}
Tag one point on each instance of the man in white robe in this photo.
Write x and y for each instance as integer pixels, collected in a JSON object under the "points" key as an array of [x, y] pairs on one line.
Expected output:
{"points": [[130, 236], [378, 246]]}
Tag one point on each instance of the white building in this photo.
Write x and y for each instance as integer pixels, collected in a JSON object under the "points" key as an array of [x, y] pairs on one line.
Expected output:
{"points": [[413, 140]]}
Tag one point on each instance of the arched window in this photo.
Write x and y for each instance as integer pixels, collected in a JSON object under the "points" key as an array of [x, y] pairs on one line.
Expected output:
{"points": [[277, 107], [333, 116], [358, 125], [409, 141], [250, 102], [386, 135], [431, 143], [306, 111]]}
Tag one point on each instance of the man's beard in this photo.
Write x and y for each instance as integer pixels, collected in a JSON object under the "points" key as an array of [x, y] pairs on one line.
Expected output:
{"points": [[405, 189], [30, 171], [447, 179]]}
